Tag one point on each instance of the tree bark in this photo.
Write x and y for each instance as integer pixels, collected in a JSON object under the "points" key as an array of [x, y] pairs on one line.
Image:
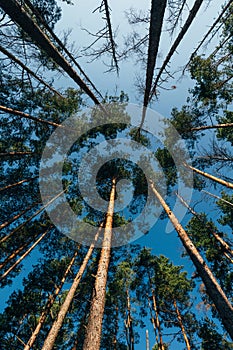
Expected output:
{"points": [[94, 326], [49, 304], [208, 33], [19, 16], [5, 238], [28, 70], [28, 116], [156, 21], [18, 183], [180, 321], [5, 274], [217, 197], [51, 337], [157, 321], [208, 176], [15, 253], [179, 38], [218, 238], [13, 154], [110, 33], [217, 126], [63, 47], [213, 289], [129, 324], [17, 216]]}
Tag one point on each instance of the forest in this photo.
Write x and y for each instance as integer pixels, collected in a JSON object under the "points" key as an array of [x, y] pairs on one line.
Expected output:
{"points": [[116, 221]]}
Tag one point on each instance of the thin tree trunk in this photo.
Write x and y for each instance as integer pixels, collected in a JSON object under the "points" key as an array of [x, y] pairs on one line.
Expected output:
{"points": [[129, 324], [28, 70], [218, 238], [217, 126], [49, 304], [18, 15], [179, 38], [110, 33], [208, 176], [51, 337], [28, 116], [18, 183], [180, 321], [158, 326], [17, 216], [116, 328], [13, 154], [15, 253], [63, 47], [213, 289], [94, 326], [5, 238], [156, 21], [5, 274], [208, 33], [217, 197], [147, 340]]}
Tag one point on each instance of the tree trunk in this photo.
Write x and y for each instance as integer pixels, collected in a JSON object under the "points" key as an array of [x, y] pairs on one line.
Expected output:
{"points": [[94, 326], [116, 328], [218, 238], [24, 255], [208, 176], [49, 304], [51, 337], [18, 183], [157, 321], [62, 46], [180, 321], [28, 70], [19, 16], [213, 26], [213, 289], [156, 21], [15, 253], [217, 197], [5, 238], [28, 116], [17, 216], [13, 154], [179, 38], [110, 34], [147, 340], [218, 126], [129, 324]]}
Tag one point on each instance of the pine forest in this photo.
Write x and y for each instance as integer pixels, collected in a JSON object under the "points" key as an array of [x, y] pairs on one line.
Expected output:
{"points": [[116, 218]]}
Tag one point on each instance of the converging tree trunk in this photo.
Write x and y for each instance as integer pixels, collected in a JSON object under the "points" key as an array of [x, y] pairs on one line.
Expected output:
{"points": [[213, 289], [94, 326], [49, 304], [5, 238], [17, 216], [28, 70], [181, 325], [7, 187], [129, 324], [5, 274], [19, 16], [210, 177], [156, 21], [51, 338]]}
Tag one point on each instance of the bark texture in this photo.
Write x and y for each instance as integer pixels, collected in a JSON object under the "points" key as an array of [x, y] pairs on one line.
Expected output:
{"points": [[213, 289]]}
